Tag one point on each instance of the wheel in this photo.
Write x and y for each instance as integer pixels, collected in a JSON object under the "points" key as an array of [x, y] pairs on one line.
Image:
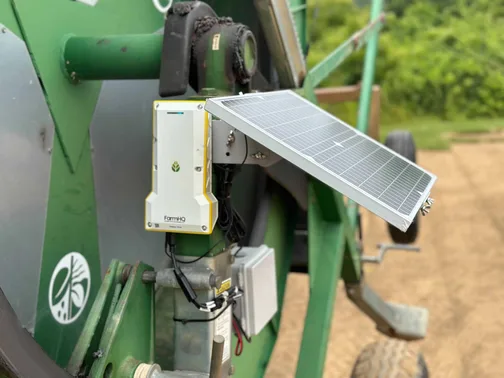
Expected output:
{"points": [[402, 142], [389, 359]]}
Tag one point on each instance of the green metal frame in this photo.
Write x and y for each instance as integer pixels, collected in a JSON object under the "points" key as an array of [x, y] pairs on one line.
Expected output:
{"points": [[119, 333], [333, 252]]}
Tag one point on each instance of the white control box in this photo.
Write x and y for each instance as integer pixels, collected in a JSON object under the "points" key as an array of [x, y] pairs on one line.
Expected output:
{"points": [[254, 272], [181, 199]]}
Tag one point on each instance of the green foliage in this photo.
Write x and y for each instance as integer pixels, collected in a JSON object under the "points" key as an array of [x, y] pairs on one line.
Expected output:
{"points": [[439, 58]]}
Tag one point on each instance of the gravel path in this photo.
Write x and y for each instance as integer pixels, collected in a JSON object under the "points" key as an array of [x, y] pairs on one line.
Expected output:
{"points": [[458, 276]]}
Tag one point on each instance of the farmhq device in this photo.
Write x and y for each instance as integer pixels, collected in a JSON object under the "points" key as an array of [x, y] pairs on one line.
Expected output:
{"points": [[182, 199], [190, 142]]}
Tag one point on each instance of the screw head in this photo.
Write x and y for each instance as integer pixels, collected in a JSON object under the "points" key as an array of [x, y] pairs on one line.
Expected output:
{"points": [[204, 228], [197, 169], [149, 224], [231, 370], [126, 273], [215, 281], [200, 106], [149, 276]]}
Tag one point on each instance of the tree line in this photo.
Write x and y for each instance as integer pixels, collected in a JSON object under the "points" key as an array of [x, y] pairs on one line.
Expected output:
{"points": [[436, 57]]}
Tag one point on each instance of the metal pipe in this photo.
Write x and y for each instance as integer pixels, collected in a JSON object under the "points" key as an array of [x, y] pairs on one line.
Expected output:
{"points": [[200, 278], [216, 359], [366, 89], [122, 57]]}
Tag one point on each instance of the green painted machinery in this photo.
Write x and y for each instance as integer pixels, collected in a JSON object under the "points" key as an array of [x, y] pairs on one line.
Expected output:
{"points": [[86, 291]]}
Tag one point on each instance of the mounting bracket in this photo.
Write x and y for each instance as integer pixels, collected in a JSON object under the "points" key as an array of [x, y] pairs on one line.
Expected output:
{"points": [[394, 320], [384, 248]]}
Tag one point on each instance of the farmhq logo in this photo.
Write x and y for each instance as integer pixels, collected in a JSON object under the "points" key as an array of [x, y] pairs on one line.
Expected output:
{"points": [[69, 288]]}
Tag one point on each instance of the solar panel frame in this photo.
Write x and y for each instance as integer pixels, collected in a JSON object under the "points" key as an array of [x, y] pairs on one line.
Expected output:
{"points": [[216, 107]]}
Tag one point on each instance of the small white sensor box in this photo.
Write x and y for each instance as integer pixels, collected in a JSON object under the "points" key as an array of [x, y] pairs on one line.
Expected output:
{"points": [[181, 199]]}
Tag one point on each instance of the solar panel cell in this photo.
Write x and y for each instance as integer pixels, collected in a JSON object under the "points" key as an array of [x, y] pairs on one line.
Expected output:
{"points": [[330, 150]]}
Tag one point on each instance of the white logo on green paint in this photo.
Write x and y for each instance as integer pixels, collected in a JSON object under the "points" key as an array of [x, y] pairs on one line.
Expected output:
{"points": [[69, 288]]}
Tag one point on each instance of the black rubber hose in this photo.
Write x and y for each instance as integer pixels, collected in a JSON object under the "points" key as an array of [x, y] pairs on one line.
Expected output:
{"points": [[20, 355]]}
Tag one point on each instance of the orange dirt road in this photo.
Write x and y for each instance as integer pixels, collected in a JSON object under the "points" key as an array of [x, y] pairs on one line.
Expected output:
{"points": [[458, 276]]}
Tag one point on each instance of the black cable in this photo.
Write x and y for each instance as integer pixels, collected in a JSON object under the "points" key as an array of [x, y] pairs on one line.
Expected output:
{"points": [[203, 255], [185, 321], [230, 221], [181, 278], [238, 251], [235, 230], [197, 258]]}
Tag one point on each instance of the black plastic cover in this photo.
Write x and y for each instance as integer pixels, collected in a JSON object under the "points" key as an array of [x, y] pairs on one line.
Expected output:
{"points": [[177, 46]]}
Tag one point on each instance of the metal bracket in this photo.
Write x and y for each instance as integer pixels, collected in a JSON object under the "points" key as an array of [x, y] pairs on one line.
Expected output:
{"points": [[394, 320], [231, 146], [128, 332], [426, 206], [384, 248], [87, 348]]}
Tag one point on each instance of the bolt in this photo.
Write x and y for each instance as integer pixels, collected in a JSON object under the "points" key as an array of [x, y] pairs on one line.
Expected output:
{"points": [[259, 155], [98, 354], [198, 169], [215, 281], [231, 138], [204, 228], [231, 370], [4, 30], [200, 106], [149, 224], [149, 276], [125, 273]]}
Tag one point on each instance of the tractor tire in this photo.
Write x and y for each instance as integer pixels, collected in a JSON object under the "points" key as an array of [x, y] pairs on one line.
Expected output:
{"points": [[402, 142], [389, 359]]}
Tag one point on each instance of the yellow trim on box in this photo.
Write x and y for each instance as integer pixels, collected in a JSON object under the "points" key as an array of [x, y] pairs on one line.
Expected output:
{"points": [[205, 174]]}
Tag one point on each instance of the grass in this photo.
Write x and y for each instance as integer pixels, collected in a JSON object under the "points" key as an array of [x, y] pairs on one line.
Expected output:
{"points": [[429, 133], [435, 134]]}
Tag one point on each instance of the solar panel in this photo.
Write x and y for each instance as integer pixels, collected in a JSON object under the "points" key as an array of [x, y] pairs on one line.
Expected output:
{"points": [[325, 147]]}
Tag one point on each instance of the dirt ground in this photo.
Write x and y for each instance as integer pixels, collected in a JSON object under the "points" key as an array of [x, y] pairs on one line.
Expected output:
{"points": [[458, 276]]}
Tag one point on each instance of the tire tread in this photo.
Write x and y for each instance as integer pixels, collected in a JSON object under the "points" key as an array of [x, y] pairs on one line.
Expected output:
{"points": [[389, 359]]}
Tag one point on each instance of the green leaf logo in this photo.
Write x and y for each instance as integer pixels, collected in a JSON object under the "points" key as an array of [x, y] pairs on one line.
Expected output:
{"points": [[175, 166]]}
